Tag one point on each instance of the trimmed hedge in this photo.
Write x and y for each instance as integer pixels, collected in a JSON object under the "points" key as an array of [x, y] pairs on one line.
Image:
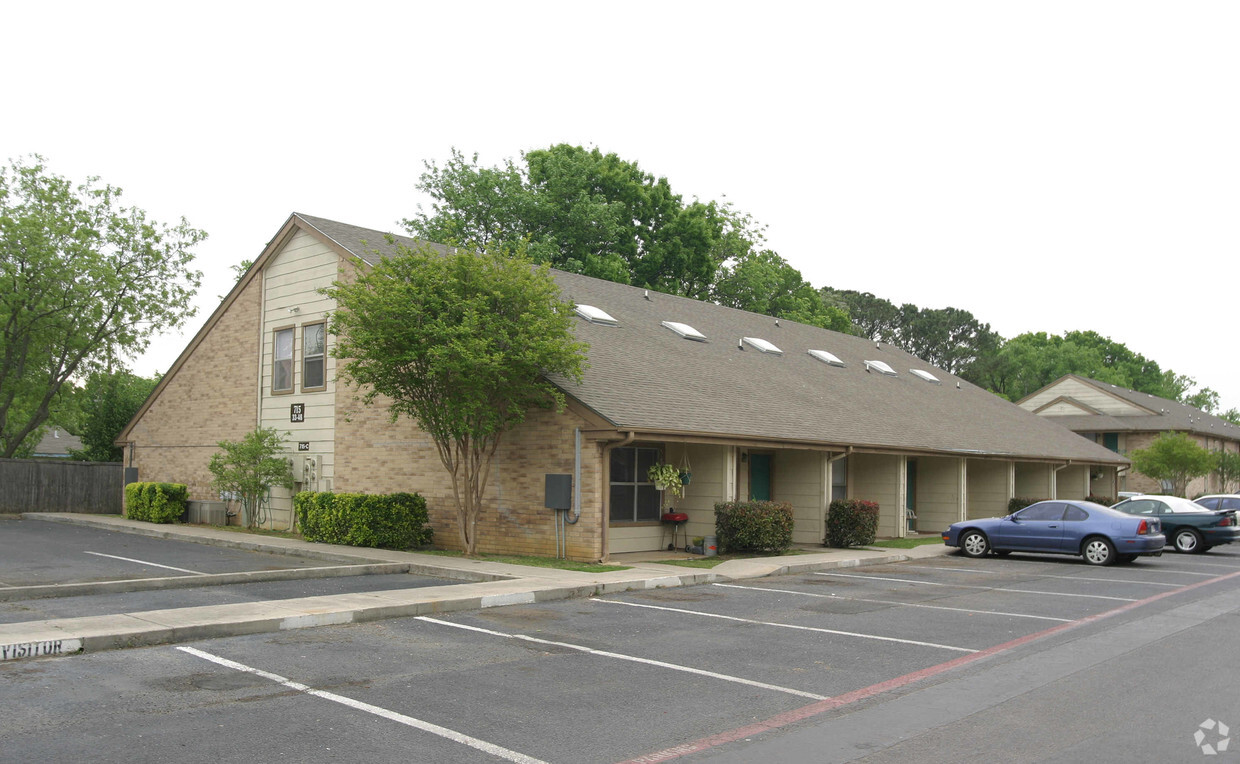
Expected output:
{"points": [[1105, 501], [753, 526], [851, 522], [388, 521], [155, 502], [1018, 503]]}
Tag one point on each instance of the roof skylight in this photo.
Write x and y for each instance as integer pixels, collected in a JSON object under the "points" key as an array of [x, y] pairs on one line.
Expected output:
{"points": [[826, 357], [763, 345], [926, 376], [881, 367], [595, 315], [684, 330]]}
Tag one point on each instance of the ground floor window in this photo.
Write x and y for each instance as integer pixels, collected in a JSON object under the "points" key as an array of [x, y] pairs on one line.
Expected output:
{"points": [[839, 479], [633, 496]]}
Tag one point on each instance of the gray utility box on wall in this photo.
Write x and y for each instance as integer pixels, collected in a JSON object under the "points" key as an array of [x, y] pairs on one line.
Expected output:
{"points": [[559, 492]]}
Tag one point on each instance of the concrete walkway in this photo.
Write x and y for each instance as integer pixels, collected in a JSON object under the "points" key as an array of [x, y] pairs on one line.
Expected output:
{"points": [[484, 584]]}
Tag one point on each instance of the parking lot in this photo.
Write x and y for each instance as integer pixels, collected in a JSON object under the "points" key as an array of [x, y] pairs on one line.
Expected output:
{"points": [[702, 672]]}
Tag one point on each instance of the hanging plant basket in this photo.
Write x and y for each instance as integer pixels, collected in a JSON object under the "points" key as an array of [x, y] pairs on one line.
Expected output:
{"points": [[666, 477]]}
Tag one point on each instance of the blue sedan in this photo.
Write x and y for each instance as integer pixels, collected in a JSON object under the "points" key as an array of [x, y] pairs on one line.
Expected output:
{"points": [[1099, 534]]}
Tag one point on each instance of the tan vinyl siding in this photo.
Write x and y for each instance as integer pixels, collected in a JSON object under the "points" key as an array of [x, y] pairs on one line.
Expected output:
{"points": [[877, 478], [1083, 392], [800, 484], [1035, 480], [989, 488], [1072, 482], [293, 277], [939, 499]]}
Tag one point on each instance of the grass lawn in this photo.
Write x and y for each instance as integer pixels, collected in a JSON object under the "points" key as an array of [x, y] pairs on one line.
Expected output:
{"points": [[536, 562]]}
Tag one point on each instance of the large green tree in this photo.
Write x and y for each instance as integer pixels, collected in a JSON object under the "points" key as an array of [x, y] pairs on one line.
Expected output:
{"points": [[584, 211], [462, 344], [108, 400], [763, 282], [84, 283]]}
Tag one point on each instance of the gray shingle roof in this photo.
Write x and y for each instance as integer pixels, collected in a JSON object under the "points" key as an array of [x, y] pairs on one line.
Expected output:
{"points": [[642, 376], [1168, 416]]}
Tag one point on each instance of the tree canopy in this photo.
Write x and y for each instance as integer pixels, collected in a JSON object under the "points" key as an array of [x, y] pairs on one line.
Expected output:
{"points": [[84, 283], [107, 402], [1174, 457], [462, 344]]}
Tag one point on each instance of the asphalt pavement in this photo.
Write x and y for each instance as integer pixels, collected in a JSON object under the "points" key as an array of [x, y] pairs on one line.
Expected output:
{"points": [[482, 585]]}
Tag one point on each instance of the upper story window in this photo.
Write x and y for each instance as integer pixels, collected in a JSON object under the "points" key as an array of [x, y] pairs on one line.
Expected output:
{"points": [[282, 361], [313, 358]]}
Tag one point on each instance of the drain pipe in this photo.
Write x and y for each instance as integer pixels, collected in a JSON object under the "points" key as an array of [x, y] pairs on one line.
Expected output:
{"points": [[576, 478], [1055, 484]]}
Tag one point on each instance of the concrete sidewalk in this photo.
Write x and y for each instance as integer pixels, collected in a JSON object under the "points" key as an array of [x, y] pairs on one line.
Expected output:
{"points": [[485, 584]]}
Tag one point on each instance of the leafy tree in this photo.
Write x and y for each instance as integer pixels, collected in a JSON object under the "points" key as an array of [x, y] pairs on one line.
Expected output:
{"points": [[249, 468], [872, 317], [949, 338], [108, 401], [587, 212], [84, 282], [1231, 415], [1205, 399], [1176, 457], [462, 345], [763, 282], [1228, 470]]}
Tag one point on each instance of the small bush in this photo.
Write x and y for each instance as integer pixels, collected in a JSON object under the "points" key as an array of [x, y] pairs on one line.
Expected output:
{"points": [[753, 526], [851, 522], [1105, 501], [387, 521], [155, 502], [1018, 503]]}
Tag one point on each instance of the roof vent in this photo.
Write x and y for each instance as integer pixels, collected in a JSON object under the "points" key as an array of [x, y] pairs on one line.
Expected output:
{"points": [[826, 357], [762, 345], [595, 315], [684, 330], [880, 367], [926, 376]]}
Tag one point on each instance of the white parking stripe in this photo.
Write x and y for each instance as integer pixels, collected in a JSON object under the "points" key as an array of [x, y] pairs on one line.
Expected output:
{"points": [[434, 729], [144, 562], [1011, 562], [986, 588], [634, 659], [1069, 578], [893, 602], [792, 626]]}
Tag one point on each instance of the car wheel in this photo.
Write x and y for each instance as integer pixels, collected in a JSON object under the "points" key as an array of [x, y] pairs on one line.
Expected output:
{"points": [[1098, 551], [974, 544], [1188, 541], [1124, 558]]}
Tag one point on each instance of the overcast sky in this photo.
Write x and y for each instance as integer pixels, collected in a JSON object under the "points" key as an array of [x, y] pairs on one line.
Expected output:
{"points": [[1048, 166]]}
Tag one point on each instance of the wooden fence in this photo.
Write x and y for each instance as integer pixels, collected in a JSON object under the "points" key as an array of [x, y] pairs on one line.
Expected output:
{"points": [[45, 485]]}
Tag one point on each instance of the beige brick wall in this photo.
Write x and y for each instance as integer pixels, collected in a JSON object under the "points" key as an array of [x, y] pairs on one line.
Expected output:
{"points": [[375, 455], [210, 398], [1135, 481]]}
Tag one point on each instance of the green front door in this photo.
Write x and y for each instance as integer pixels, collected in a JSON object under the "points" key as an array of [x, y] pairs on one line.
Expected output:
{"points": [[760, 477]]}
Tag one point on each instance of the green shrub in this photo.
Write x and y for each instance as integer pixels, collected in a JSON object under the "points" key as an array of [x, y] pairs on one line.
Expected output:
{"points": [[387, 521], [753, 526], [155, 502], [1018, 503], [851, 522], [1105, 501]]}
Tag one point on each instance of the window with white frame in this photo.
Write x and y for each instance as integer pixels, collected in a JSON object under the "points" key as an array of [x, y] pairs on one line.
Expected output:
{"points": [[313, 358], [282, 361], [633, 497]]}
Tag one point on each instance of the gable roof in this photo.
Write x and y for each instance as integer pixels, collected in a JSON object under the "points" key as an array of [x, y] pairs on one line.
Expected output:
{"points": [[645, 377], [57, 441], [1164, 415]]}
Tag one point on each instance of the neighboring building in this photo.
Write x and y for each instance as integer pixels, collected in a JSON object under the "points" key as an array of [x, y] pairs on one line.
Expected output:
{"points": [[753, 407], [56, 443], [1125, 420]]}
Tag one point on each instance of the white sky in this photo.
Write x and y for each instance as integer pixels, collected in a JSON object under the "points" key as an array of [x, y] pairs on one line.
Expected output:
{"points": [[1048, 166]]}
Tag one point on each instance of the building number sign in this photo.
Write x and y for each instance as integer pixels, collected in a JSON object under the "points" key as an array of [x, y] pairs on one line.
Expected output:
{"points": [[297, 412], [303, 445]]}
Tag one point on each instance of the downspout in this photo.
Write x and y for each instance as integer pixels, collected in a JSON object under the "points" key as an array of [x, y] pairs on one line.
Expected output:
{"points": [[632, 436], [576, 478], [1055, 475]]}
